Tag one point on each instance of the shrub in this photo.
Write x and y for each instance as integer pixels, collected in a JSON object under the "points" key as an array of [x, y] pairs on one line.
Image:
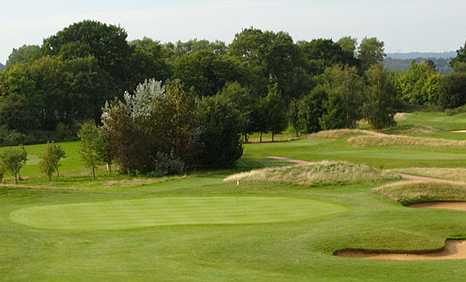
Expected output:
{"points": [[167, 164], [13, 160], [51, 158], [218, 140]]}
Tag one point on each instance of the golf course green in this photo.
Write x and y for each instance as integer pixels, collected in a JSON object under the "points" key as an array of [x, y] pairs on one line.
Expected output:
{"points": [[129, 214]]}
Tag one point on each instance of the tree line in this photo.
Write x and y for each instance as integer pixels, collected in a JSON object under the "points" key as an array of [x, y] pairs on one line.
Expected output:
{"points": [[262, 81]]}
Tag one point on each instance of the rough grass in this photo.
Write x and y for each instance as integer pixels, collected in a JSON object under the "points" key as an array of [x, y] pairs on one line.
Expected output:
{"points": [[380, 139], [340, 133], [321, 173], [410, 192], [455, 174]]}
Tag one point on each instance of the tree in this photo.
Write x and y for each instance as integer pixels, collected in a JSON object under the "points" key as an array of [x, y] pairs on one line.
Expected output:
{"points": [[311, 109], [90, 140], [24, 55], [420, 84], [106, 43], [13, 160], [371, 51], [323, 53], [51, 158], [380, 98], [453, 90], [459, 62], [206, 72], [218, 141], [342, 108], [348, 44], [245, 103], [156, 119], [276, 115]]}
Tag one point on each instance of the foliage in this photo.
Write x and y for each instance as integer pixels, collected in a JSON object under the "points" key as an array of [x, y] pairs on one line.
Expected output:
{"points": [[380, 98], [218, 140], [420, 84], [51, 158], [24, 55], [244, 103], [311, 109], [13, 160], [342, 108], [371, 51], [453, 90], [459, 61], [167, 164], [91, 139]]}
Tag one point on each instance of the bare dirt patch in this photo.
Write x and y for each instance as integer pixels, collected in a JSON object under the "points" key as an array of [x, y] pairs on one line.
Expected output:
{"points": [[453, 250]]}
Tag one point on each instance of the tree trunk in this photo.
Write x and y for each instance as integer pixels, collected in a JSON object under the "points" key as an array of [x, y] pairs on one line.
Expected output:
{"points": [[109, 168], [260, 137], [16, 178], [273, 135], [93, 173]]}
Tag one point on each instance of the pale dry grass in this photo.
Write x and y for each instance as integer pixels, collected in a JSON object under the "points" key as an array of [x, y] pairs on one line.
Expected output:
{"points": [[341, 133], [454, 174], [319, 173], [380, 139]]}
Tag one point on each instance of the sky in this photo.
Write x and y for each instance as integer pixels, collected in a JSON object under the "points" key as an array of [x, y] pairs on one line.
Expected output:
{"points": [[404, 25]]}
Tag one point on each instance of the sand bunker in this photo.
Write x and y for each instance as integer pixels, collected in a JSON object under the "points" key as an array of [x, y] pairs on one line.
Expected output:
{"points": [[459, 131], [459, 206], [453, 250]]}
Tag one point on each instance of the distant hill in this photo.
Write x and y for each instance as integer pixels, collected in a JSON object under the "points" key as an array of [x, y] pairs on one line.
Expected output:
{"points": [[424, 55], [1, 66], [402, 61]]}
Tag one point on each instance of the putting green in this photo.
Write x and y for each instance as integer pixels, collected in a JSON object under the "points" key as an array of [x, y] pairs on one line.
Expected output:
{"points": [[129, 214]]}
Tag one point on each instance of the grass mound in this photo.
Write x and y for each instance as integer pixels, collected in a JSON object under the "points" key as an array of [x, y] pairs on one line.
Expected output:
{"points": [[379, 139], [411, 192], [321, 173], [454, 174], [341, 133]]}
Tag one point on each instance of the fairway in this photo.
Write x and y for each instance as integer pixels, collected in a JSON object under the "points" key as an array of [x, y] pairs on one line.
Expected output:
{"points": [[113, 215]]}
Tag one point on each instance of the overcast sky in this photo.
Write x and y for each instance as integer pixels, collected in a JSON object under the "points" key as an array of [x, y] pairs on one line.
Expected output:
{"points": [[404, 25]]}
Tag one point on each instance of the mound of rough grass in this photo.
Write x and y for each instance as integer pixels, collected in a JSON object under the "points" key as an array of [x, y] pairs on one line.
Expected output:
{"points": [[411, 192], [454, 174], [379, 139], [341, 133], [321, 173]]}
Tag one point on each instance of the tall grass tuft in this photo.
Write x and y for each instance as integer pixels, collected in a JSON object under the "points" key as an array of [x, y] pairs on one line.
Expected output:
{"points": [[321, 173]]}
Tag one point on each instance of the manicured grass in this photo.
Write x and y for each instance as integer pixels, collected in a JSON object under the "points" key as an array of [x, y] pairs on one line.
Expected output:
{"points": [[164, 211], [199, 228]]}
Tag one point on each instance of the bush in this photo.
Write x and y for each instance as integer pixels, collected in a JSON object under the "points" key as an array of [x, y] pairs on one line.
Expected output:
{"points": [[453, 91], [217, 143], [13, 160], [167, 164]]}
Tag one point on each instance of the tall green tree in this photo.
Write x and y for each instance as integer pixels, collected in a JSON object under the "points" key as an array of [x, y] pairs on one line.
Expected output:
{"points": [[24, 55], [459, 62], [371, 51], [344, 88], [276, 111], [380, 98], [218, 140], [90, 138]]}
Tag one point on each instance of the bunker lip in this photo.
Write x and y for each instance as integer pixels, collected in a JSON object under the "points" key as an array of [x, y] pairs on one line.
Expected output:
{"points": [[453, 250], [446, 205]]}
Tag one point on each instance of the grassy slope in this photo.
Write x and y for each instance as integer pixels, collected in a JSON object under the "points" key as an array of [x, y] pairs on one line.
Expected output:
{"points": [[293, 251]]}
